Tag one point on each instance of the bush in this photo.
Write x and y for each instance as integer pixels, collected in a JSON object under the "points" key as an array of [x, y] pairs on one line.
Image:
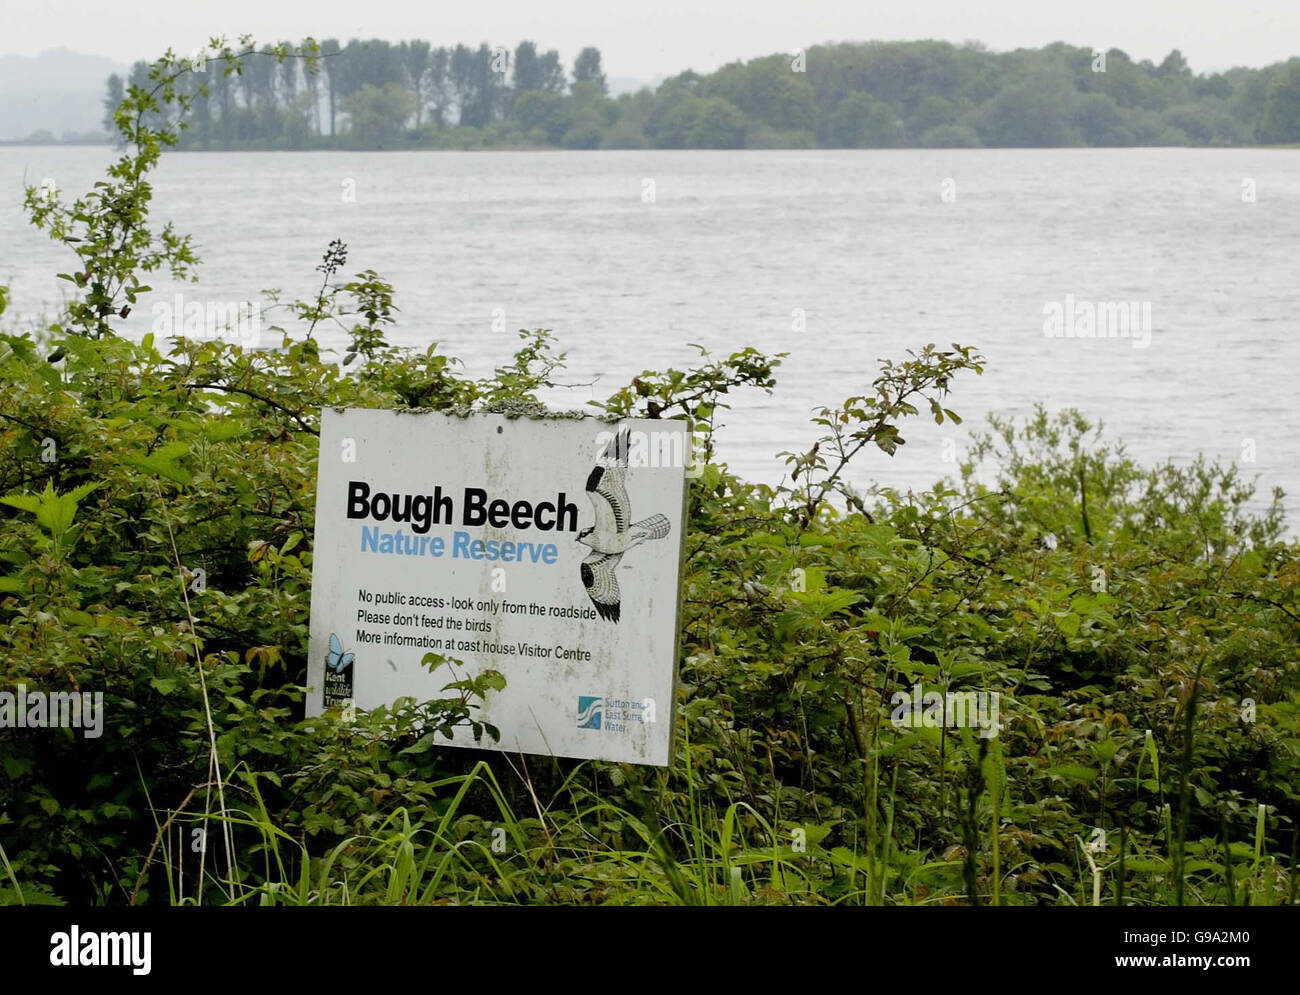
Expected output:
{"points": [[624, 136], [950, 136], [764, 137]]}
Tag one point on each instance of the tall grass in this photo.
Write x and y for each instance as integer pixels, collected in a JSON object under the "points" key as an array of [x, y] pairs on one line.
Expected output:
{"points": [[579, 848]]}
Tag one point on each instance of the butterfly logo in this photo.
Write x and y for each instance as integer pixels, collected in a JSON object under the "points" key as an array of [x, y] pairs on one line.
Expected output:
{"points": [[336, 659]]}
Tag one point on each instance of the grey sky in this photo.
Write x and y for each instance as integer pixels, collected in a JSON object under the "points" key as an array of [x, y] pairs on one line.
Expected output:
{"points": [[648, 39]]}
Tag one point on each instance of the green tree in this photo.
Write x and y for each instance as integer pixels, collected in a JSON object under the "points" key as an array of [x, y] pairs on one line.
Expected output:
{"points": [[551, 71], [1101, 121], [311, 81], [527, 69], [439, 85], [1033, 113], [116, 90], [330, 56], [1281, 119], [377, 116], [933, 112], [288, 76], [586, 68], [259, 85], [537, 72], [415, 60], [949, 136], [586, 132], [1125, 82], [223, 91], [718, 125], [766, 90], [672, 121], [202, 120], [369, 63], [478, 87], [1174, 66], [544, 111], [860, 122], [674, 112]]}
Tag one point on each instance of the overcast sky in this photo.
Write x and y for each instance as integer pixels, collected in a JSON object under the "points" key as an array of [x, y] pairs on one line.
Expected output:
{"points": [[648, 38]]}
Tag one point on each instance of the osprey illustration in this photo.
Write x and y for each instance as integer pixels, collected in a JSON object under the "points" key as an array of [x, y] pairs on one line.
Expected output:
{"points": [[614, 532]]}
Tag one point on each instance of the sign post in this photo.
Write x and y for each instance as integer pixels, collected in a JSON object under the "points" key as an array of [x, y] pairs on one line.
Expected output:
{"points": [[548, 549]]}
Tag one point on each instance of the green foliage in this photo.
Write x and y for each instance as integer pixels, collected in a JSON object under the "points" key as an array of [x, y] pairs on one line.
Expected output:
{"points": [[860, 122], [852, 95], [1035, 112], [377, 116], [1281, 119]]}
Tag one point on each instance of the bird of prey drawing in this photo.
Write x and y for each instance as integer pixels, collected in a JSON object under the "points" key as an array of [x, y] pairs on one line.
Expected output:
{"points": [[614, 532]]}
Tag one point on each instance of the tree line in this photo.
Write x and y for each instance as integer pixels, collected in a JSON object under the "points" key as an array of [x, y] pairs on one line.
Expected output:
{"points": [[373, 94]]}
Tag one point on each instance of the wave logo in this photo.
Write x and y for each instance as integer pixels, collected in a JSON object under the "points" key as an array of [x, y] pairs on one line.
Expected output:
{"points": [[590, 711]]}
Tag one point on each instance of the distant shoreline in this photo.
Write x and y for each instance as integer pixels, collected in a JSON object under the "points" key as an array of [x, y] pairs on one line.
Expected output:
{"points": [[22, 141], [11, 143]]}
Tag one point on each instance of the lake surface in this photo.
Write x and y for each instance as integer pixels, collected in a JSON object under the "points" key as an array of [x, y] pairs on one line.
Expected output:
{"points": [[737, 245]]}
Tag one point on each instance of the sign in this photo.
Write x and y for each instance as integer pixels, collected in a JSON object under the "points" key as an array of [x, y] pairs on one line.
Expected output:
{"points": [[548, 549]]}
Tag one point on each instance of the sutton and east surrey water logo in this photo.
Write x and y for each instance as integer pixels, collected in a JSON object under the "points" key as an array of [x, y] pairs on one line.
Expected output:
{"points": [[589, 712], [614, 714]]}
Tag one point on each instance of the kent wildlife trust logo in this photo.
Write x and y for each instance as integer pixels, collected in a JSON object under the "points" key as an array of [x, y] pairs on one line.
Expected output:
{"points": [[338, 674]]}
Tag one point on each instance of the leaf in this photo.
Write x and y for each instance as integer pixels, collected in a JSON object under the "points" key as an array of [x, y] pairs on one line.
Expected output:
{"points": [[23, 502], [1154, 754], [223, 430], [1105, 750], [164, 685], [1068, 623], [995, 770], [54, 512], [845, 857], [173, 450], [1146, 865], [1076, 772], [15, 767], [965, 669], [160, 467]]}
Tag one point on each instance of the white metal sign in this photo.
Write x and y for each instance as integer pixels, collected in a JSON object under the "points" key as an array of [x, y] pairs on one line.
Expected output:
{"points": [[548, 549]]}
